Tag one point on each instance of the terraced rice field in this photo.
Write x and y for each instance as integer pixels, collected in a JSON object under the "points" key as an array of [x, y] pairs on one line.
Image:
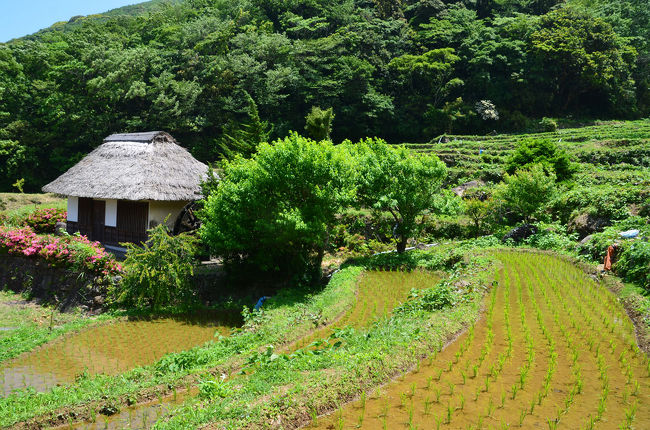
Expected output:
{"points": [[610, 153], [554, 350], [109, 349], [379, 292]]}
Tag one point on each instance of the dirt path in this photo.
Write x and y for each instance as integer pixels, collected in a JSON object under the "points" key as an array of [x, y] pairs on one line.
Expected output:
{"points": [[555, 350]]}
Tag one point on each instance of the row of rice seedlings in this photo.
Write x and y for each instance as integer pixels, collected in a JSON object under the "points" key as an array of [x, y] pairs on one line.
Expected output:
{"points": [[624, 364], [550, 341], [543, 392], [447, 416], [568, 336], [632, 385], [607, 309], [498, 366]]}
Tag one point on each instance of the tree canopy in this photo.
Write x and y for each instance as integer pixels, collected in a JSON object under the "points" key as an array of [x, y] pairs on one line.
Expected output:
{"points": [[273, 211], [399, 181], [403, 71]]}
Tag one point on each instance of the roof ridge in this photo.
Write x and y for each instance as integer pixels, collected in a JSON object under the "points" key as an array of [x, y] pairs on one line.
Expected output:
{"points": [[141, 136]]}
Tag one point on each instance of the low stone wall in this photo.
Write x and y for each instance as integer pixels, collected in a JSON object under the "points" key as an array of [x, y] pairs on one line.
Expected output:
{"points": [[62, 288]]}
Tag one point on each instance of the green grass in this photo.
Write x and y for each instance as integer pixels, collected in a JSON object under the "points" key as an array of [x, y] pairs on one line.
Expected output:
{"points": [[17, 205]]}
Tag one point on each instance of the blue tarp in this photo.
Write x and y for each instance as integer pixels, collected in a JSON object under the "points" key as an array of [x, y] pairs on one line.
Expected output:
{"points": [[260, 302], [629, 234]]}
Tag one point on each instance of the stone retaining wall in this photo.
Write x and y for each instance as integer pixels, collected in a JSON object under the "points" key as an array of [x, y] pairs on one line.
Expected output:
{"points": [[59, 287]]}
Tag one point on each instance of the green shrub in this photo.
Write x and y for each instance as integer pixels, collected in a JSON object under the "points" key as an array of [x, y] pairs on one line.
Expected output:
{"points": [[403, 183], [44, 220], [541, 151], [548, 124], [633, 263], [552, 237], [429, 299], [273, 212], [526, 193], [214, 388], [158, 273]]}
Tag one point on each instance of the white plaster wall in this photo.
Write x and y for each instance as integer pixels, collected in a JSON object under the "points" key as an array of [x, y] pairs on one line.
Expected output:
{"points": [[110, 216], [158, 211], [73, 209]]}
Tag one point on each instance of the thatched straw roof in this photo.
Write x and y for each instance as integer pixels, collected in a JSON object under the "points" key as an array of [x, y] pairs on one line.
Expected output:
{"points": [[134, 166]]}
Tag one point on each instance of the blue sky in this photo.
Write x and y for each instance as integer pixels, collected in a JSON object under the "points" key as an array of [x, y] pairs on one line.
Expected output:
{"points": [[22, 17]]}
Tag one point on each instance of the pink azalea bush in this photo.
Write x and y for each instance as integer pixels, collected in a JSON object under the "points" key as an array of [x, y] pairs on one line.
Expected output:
{"points": [[44, 220], [75, 252]]}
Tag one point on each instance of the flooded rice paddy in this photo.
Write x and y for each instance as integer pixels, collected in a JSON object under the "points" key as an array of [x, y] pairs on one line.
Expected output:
{"points": [[110, 349], [554, 350], [378, 293]]}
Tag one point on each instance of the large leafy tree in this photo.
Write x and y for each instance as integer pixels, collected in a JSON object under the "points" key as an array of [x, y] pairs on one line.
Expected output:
{"points": [[424, 82], [527, 192], [403, 183], [580, 59], [273, 212]]}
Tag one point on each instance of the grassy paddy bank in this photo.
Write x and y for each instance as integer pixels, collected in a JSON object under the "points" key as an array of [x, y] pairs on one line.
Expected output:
{"points": [[286, 390]]}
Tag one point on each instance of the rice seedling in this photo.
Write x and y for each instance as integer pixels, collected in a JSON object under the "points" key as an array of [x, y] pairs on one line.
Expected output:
{"points": [[340, 422], [427, 406], [429, 381], [439, 374], [437, 393], [515, 389], [313, 414], [490, 408], [522, 417]]}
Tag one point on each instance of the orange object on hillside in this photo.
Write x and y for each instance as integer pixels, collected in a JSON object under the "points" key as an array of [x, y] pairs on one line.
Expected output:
{"points": [[610, 257]]}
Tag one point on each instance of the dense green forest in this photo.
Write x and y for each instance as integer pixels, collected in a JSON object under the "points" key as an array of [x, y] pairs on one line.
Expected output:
{"points": [[407, 70]]}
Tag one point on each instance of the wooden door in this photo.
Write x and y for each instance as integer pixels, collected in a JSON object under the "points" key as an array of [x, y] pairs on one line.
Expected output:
{"points": [[85, 217], [132, 220], [99, 217]]}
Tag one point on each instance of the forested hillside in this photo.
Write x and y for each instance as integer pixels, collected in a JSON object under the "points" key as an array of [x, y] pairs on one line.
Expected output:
{"points": [[207, 70]]}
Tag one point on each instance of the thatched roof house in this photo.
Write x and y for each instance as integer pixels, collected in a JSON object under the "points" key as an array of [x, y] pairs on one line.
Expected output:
{"points": [[128, 184]]}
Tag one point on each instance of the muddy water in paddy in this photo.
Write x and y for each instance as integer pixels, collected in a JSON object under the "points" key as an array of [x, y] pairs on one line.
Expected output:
{"points": [[547, 321], [111, 349]]}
